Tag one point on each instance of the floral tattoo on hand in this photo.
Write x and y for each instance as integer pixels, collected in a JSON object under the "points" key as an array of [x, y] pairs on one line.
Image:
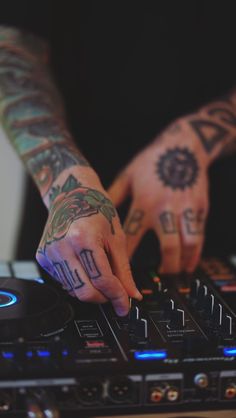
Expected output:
{"points": [[71, 202]]}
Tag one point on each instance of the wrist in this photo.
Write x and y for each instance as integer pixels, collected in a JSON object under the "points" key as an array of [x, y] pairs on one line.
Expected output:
{"points": [[86, 176], [214, 127]]}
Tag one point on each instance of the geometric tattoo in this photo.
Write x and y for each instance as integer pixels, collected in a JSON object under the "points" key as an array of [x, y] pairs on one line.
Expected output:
{"points": [[134, 222], [194, 221], [70, 279], [210, 133], [223, 114], [168, 222], [89, 264], [178, 168]]}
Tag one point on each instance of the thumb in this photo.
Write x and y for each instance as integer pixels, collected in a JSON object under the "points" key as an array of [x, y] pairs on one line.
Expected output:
{"points": [[120, 188]]}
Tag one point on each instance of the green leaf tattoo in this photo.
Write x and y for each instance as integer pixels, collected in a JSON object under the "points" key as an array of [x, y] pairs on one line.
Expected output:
{"points": [[71, 202]]}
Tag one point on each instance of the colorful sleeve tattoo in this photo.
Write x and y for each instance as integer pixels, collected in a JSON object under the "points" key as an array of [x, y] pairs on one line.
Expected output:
{"points": [[31, 110]]}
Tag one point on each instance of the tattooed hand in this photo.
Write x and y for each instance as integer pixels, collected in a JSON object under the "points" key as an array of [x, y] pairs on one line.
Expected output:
{"points": [[84, 247], [169, 184], [169, 188]]}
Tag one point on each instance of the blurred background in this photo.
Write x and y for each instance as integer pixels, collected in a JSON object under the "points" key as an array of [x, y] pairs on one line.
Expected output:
{"points": [[12, 180]]}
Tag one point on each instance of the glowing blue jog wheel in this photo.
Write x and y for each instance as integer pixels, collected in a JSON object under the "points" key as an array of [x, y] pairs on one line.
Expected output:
{"points": [[7, 299]]}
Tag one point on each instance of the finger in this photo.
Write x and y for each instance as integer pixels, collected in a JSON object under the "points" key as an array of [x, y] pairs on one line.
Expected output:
{"points": [[134, 227], [96, 266], [120, 188], [166, 229], [76, 280], [70, 274], [192, 227], [121, 268]]}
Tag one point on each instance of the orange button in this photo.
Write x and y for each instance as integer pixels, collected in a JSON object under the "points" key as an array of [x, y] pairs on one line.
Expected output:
{"points": [[146, 291]]}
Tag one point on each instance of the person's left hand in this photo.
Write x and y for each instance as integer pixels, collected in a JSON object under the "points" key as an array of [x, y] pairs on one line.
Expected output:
{"points": [[168, 183]]}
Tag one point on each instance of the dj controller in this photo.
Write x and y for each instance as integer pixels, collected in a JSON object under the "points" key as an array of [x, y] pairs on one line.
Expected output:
{"points": [[175, 351]]}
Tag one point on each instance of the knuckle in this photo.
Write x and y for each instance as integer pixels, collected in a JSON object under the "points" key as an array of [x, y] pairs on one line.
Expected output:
{"points": [[192, 246], [76, 235], [170, 248]]}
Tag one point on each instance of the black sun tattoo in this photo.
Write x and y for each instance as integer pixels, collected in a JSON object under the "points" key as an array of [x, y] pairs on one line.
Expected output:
{"points": [[178, 168]]}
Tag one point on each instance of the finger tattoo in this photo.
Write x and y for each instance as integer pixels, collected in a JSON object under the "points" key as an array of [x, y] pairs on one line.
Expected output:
{"points": [[69, 277], [134, 222], [89, 264], [194, 221], [168, 222]]}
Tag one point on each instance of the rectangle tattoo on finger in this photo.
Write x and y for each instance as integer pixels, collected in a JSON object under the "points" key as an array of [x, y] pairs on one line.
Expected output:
{"points": [[89, 264]]}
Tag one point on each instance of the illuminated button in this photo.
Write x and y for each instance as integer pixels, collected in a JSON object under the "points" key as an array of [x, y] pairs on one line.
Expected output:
{"points": [[95, 344], [150, 355], [8, 355], [229, 351], [146, 292], [7, 299], [43, 353], [184, 290]]}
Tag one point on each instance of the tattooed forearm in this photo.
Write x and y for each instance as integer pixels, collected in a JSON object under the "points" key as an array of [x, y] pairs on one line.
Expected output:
{"points": [[89, 264], [168, 222], [216, 126], [71, 202], [68, 277], [194, 221], [134, 222], [31, 109], [225, 115], [178, 168], [47, 164]]}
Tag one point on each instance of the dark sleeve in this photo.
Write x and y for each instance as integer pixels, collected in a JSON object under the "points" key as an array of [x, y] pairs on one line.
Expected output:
{"points": [[29, 15]]}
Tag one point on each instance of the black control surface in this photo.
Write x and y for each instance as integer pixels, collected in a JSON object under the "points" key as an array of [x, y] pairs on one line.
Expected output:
{"points": [[176, 350]]}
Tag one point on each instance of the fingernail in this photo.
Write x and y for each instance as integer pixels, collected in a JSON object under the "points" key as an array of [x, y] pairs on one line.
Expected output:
{"points": [[138, 295], [121, 312]]}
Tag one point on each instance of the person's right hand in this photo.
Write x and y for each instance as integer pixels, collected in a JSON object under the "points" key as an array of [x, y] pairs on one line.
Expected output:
{"points": [[83, 245]]}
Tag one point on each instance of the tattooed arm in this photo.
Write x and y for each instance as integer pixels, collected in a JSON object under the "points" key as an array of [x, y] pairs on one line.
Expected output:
{"points": [[168, 182], [83, 245]]}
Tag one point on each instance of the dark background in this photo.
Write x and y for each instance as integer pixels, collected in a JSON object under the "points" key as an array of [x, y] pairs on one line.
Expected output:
{"points": [[126, 69]]}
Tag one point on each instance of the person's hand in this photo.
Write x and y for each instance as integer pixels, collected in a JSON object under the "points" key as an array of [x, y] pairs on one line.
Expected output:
{"points": [[168, 183], [83, 245]]}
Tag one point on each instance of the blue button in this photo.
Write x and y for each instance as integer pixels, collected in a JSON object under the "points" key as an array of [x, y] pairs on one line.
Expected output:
{"points": [[150, 355], [229, 351], [7, 299]]}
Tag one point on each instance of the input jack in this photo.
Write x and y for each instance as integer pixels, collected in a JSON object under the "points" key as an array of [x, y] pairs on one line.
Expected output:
{"points": [[121, 390], [172, 394], [230, 391], [156, 394], [5, 402]]}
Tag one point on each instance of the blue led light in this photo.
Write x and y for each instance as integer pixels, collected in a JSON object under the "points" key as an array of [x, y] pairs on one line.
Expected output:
{"points": [[43, 353], [229, 352], [39, 280], [11, 299], [29, 354], [150, 355], [65, 353], [7, 355]]}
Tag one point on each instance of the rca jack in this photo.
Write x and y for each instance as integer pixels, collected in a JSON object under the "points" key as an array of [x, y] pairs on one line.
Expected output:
{"points": [[156, 394], [172, 394], [230, 391]]}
